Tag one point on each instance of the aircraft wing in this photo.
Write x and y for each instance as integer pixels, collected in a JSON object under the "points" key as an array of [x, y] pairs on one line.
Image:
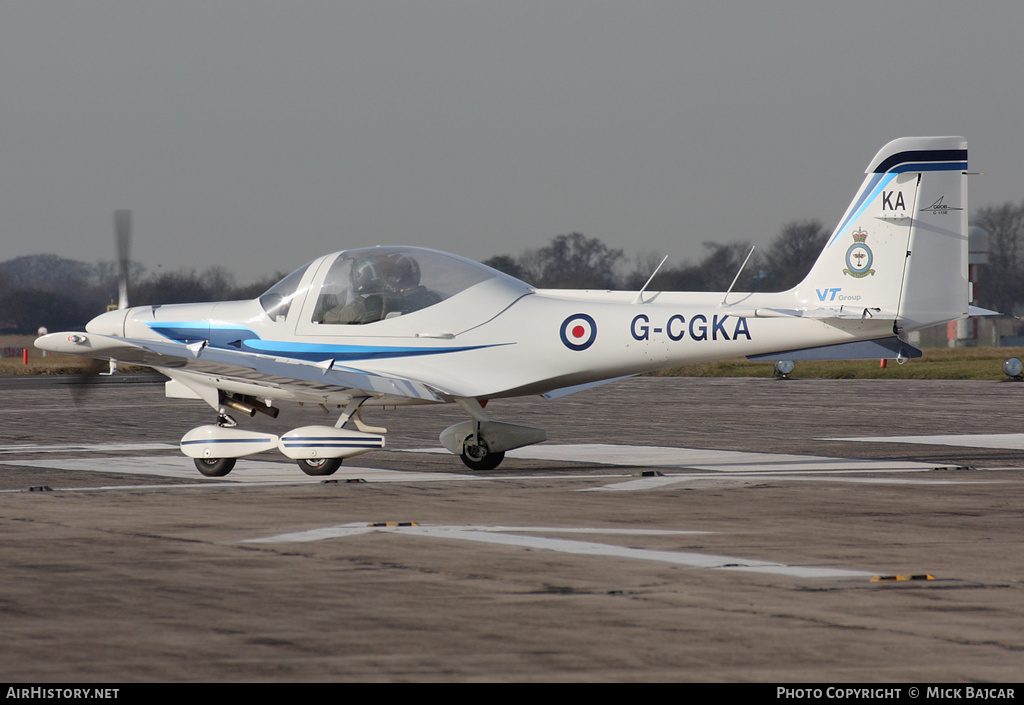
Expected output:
{"points": [[237, 365]]}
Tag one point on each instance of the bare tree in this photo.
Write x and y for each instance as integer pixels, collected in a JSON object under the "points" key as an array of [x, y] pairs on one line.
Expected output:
{"points": [[793, 252], [574, 262], [723, 262], [1001, 286], [508, 265], [644, 265]]}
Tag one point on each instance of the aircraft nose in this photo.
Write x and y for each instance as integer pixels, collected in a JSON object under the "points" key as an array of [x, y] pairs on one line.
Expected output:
{"points": [[109, 323]]}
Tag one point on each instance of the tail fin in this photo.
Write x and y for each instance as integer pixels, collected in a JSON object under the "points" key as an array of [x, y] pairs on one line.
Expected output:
{"points": [[901, 247]]}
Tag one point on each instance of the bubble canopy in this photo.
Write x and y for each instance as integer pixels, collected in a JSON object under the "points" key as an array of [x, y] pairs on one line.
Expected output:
{"points": [[376, 283]]}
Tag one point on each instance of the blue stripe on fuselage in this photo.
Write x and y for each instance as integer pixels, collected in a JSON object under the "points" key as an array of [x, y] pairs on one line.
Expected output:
{"points": [[320, 351], [245, 340]]}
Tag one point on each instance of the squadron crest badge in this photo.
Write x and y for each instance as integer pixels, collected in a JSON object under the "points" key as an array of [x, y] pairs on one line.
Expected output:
{"points": [[859, 257]]}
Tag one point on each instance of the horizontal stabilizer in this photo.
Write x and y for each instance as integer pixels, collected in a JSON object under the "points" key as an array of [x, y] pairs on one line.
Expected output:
{"points": [[882, 348], [838, 313], [978, 311]]}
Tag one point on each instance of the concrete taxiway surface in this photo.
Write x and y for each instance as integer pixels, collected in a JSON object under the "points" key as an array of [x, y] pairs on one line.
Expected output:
{"points": [[671, 529]]}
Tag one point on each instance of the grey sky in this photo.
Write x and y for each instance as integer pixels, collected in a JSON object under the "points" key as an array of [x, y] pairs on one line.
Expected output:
{"points": [[259, 135]]}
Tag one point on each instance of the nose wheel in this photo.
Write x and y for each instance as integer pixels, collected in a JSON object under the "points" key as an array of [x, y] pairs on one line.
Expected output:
{"points": [[477, 456], [215, 467], [319, 467]]}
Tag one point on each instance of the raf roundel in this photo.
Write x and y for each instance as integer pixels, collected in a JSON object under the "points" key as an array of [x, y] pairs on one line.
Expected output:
{"points": [[578, 331]]}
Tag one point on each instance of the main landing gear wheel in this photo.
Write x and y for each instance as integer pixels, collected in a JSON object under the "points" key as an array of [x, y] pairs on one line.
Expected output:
{"points": [[215, 467], [478, 456], [319, 467]]}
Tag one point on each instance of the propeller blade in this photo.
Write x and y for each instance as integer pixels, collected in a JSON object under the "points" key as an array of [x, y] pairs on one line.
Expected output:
{"points": [[81, 382], [123, 236]]}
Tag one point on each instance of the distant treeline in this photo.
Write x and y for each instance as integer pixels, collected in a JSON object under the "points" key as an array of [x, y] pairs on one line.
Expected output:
{"points": [[578, 262], [63, 294]]}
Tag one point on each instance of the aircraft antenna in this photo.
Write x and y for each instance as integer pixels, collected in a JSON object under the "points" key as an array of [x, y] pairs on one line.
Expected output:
{"points": [[640, 294], [737, 277]]}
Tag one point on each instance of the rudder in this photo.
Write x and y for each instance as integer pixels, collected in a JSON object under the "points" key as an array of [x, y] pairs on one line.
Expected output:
{"points": [[936, 287]]}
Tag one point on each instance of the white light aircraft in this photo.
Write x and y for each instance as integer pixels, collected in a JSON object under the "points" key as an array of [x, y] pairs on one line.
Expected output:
{"points": [[403, 325]]}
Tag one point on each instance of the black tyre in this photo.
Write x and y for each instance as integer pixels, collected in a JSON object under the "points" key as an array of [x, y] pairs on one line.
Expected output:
{"points": [[319, 467], [477, 456], [215, 467]]}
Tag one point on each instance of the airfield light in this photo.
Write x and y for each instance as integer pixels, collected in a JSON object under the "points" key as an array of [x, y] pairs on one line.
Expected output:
{"points": [[1013, 368], [783, 368]]}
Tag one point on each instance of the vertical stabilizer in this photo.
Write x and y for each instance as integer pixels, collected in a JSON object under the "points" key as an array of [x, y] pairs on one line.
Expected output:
{"points": [[901, 247]]}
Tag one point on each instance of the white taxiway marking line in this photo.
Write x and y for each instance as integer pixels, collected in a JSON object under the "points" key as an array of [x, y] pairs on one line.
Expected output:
{"points": [[724, 461], [504, 535], [1010, 441], [650, 483], [246, 472], [701, 465], [736, 465], [704, 459], [85, 448]]}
